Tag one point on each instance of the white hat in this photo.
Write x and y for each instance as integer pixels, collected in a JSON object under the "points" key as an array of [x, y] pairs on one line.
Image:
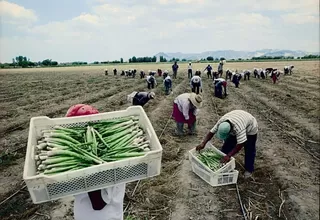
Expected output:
{"points": [[151, 95], [196, 100]]}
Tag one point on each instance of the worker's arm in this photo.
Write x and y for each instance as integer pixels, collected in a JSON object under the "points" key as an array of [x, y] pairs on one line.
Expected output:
{"points": [[207, 138], [185, 110]]}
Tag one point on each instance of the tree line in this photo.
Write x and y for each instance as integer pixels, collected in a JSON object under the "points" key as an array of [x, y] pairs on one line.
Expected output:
{"points": [[25, 62]]}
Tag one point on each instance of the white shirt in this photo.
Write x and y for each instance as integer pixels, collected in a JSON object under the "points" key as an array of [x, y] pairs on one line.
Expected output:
{"points": [[113, 196], [184, 105], [149, 77], [243, 124], [189, 67], [196, 79], [220, 80]]}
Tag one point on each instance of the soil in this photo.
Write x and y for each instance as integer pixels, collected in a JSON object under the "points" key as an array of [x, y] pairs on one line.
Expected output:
{"points": [[286, 167]]}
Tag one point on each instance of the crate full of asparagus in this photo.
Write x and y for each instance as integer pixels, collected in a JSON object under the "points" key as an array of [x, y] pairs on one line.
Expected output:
{"points": [[69, 156], [206, 164]]}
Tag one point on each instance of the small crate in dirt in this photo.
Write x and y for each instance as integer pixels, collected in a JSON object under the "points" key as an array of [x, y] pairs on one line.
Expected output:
{"points": [[44, 188], [223, 176]]}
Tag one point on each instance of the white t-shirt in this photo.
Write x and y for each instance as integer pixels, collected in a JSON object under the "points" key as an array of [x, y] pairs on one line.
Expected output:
{"points": [[189, 67], [113, 196]]}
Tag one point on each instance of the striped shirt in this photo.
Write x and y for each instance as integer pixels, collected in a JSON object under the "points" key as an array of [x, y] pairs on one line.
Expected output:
{"points": [[243, 124]]}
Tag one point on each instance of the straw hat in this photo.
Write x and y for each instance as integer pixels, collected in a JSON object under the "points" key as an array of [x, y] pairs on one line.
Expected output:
{"points": [[196, 100], [152, 95]]}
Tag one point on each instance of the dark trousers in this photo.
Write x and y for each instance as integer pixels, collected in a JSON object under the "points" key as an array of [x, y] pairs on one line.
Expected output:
{"points": [[150, 85], [189, 73], [218, 91], [174, 76], [249, 148], [246, 76], [220, 72], [167, 87], [196, 88], [236, 81], [209, 74]]}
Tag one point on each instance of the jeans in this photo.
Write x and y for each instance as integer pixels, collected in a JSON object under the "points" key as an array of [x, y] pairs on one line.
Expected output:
{"points": [[196, 88], [249, 148], [191, 127], [150, 85], [189, 73]]}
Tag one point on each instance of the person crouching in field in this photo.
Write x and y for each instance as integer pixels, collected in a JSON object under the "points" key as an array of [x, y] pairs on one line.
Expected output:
{"points": [[218, 85], [247, 74], [185, 110], [141, 98], [165, 74], [196, 84], [167, 82], [237, 129], [114, 71], [151, 81], [209, 69], [236, 77], [142, 74], [104, 204]]}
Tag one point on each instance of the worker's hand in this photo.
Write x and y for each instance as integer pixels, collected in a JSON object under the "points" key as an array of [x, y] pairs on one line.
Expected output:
{"points": [[225, 159], [200, 147]]}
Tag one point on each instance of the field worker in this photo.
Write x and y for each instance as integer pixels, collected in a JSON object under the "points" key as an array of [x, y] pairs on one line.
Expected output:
{"points": [[228, 74], [104, 204], [185, 110], [175, 68], [114, 71], [209, 69], [141, 98], [275, 75], [236, 77], [142, 74], [189, 70], [288, 70], [246, 74], [196, 84], [151, 81], [218, 85], [263, 74], [237, 129], [167, 82], [159, 72], [134, 71], [220, 68], [106, 72], [198, 73], [165, 74]]}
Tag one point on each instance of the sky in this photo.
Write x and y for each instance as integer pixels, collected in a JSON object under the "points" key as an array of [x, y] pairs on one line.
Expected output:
{"points": [[90, 30]]}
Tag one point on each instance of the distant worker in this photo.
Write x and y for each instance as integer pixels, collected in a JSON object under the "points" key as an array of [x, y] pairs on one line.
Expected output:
{"points": [[209, 69], [151, 81], [246, 74], [220, 68], [237, 129], [167, 82], [198, 73], [134, 71], [142, 74], [114, 71], [175, 68], [196, 84], [220, 84], [165, 74], [288, 70], [159, 72], [189, 71], [185, 110], [236, 77], [106, 72], [228, 74]]}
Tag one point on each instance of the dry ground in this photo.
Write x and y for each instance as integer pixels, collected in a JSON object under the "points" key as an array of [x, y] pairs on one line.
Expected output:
{"points": [[287, 113]]}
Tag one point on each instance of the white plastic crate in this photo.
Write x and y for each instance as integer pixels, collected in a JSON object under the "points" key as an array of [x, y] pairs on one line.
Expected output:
{"points": [[224, 176], [44, 188]]}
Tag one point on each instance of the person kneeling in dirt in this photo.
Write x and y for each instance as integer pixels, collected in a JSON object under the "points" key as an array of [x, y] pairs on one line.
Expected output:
{"points": [[218, 85], [237, 129], [185, 110], [196, 84], [151, 81], [104, 204], [167, 82], [141, 98]]}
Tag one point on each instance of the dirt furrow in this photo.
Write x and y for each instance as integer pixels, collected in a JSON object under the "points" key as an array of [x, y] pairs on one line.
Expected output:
{"points": [[291, 172]]}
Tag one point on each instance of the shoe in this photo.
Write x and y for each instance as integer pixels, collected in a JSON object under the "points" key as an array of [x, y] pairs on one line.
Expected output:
{"points": [[247, 175]]}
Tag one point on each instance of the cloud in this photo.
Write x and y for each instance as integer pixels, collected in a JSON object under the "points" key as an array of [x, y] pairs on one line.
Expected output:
{"points": [[300, 18], [15, 14], [87, 18]]}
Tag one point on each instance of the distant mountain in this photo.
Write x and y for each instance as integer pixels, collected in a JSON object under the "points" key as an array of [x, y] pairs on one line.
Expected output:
{"points": [[232, 54]]}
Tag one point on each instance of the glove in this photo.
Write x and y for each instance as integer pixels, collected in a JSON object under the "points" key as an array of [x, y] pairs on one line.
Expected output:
{"points": [[225, 159]]}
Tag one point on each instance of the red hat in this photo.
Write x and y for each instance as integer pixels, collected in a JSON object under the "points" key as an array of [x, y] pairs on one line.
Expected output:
{"points": [[81, 109]]}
